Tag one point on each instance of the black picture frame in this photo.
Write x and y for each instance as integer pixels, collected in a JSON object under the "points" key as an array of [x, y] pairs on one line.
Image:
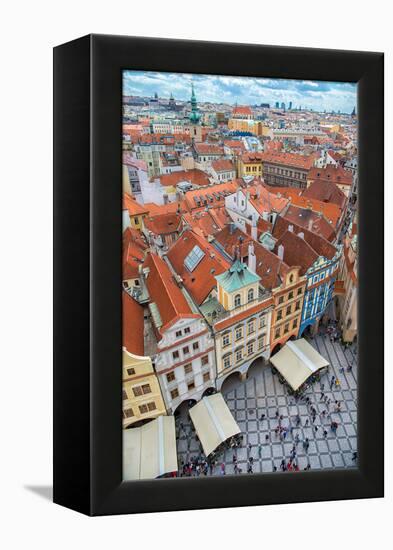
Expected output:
{"points": [[87, 271]]}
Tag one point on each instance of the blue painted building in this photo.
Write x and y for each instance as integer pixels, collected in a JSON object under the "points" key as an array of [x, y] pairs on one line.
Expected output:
{"points": [[321, 277]]}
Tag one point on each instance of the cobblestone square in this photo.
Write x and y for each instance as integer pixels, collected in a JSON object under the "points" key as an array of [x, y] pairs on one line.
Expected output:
{"points": [[262, 394]]}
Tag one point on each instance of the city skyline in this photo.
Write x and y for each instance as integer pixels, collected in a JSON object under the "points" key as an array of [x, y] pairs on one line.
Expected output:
{"points": [[309, 94]]}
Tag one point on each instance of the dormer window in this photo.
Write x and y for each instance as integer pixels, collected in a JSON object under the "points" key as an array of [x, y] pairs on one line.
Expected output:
{"points": [[237, 300]]}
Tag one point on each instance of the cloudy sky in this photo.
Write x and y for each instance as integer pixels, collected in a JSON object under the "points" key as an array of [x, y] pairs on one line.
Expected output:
{"points": [[317, 95]]}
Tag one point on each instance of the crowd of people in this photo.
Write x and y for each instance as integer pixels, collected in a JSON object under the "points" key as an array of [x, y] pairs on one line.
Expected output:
{"points": [[286, 429]]}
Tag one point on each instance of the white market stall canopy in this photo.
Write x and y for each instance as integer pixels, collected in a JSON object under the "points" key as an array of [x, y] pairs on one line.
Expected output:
{"points": [[150, 451], [213, 422], [297, 361]]}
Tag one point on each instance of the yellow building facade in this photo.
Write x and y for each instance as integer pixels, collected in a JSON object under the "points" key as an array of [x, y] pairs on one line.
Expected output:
{"points": [[250, 164], [288, 305], [142, 398]]}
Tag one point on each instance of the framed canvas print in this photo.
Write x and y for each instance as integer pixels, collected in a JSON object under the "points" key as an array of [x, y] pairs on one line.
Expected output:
{"points": [[218, 275]]}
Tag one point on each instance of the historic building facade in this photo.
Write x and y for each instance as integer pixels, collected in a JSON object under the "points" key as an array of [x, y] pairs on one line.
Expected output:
{"points": [[242, 332]]}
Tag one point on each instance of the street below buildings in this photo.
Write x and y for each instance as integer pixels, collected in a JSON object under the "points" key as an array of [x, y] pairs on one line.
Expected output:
{"points": [[264, 446]]}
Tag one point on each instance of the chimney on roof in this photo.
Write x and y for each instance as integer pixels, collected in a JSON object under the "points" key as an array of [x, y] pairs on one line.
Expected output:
{"points": [[254, 230], [166, 198], [231, 228], [252, 260], [280, 252], [310, 224], [301, 235], [290, 228]]}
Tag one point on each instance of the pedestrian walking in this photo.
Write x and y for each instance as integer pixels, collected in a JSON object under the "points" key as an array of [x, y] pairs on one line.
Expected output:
{"points": [[307, 422], [260, 451], [325, 434], [266, 438]]}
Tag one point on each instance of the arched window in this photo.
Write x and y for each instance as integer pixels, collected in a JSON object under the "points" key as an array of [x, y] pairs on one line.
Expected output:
{"points": [[237, 300], [251, 295]]}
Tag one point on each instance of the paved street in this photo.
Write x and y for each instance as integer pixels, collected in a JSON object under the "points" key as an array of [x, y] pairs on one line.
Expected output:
{"points": [[262, 393]]}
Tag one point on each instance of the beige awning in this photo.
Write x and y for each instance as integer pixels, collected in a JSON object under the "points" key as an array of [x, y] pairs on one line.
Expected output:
{"points": [[297, 361], [150, 451], [213, 422]]}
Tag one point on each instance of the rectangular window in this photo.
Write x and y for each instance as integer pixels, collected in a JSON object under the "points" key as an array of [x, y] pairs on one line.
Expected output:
{"points": [[251, 327], [297, 307], [206, 377], [174, 393], [186, 350], [170, 376], [195, 346], [205, 360], [127, 413], [277, 333], [175, 355], [130, 371], [261, 342], [227, 362], [250, 348], [146, 388], [239, 333], [143, 409], [187, 368], [299, 291], [125, 396], [187, 330], [286, 328], [191, 385], [137, 391], [281, 299], [225, 340], [279, 315], [178, 333], [239, 355], [151, 406], [294, 324], [289, 310], [290, 295], [262, 321]]}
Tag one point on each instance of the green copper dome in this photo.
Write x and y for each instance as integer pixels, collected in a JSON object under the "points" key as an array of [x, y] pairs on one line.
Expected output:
{"points": [[194, 115], [237, 277]]}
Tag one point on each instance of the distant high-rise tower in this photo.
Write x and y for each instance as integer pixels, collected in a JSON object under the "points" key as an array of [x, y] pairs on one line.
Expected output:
{"points": [[290, 106], [354, 112], [156, 95], [283, 106], [277, 105]]}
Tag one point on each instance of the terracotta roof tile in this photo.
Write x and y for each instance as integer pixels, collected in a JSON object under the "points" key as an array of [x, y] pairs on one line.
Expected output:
{"points": [[223, 166], [133, 206], [133, 325], [331, 173], [289, 159], [194, 176], [164, 291], [163, 224], [200, 282]]}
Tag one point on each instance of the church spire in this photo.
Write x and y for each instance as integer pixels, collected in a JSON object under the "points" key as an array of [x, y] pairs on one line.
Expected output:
{"points": [[194, 115]]}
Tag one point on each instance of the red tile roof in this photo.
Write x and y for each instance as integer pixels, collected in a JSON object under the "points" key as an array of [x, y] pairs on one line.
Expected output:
{"points": [[269, 267], [217, 192], [194, 176], [235, 144], [297, 252], [223, 166], [331, 173], [133, 206], [201, 281], [163, 224], [133, 325], [325, 191], [319, 244], [134, 249], [310, 220], [171, 207], [233, 240], [241, 110], [252, 158], [330, 210], [208, 222], [208, 149], [165, 293], [289, 159]]}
